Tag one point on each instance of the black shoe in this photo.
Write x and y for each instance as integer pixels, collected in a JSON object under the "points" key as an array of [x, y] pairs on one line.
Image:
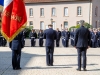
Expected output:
{"points": [[14, 68], [84, 69], [48, 64], [51, 64], [78, 69], [18, 68]]}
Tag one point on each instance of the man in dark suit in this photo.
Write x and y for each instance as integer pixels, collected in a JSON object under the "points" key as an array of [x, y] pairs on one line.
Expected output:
{"points": [[40, 36], [50, 36], [67, 36], [16, 45], [58, 33], [33, 36], [82, 42], [63, 37]]}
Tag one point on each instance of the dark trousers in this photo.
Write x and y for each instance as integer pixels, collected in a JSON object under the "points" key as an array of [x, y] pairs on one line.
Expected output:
{"points": [[49, 55], [72, 42], [57, 42], [94, 44], [63, 42], [81, 53], [4, 42], [1, 41], [16, 55], [66, 43], [40, 42], [32, 42], [99, 43]]}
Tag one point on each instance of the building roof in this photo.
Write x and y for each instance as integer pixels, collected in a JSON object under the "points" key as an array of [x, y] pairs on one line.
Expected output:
{"points": [[46, 1]]}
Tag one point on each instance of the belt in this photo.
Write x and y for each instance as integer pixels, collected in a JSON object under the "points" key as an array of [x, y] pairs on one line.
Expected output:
{"points": [[32, 37]]}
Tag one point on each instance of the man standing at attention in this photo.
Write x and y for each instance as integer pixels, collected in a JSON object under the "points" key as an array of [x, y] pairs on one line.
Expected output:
{"points": [[50, 36], [82, 43]]}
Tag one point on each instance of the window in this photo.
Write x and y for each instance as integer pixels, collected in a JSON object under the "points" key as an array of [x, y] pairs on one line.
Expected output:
{"points": [[30, 22], [41, 11], [66, 11], [65, 24], [96, 11], [79, 10], [78, 22], [42, 25], [53, 11], [30, 12], [54, 24]]}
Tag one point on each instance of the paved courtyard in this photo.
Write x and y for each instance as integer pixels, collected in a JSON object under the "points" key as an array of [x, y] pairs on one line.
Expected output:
{"points": [[33, 62]]}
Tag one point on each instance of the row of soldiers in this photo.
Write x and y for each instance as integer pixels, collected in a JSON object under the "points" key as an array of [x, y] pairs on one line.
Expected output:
{"points": [[65, 35]]}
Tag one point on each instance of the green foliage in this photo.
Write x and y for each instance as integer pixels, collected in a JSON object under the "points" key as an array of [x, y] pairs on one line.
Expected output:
{"points": [[87, 25], [77, 26], [28, 30], [72, 28]]}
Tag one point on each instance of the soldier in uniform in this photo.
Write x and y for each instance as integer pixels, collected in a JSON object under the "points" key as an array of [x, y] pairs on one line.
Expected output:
{"points": [[0, 39], [72, 37], [40, 36], [91, 33], [58, 33], [63, 37], [4, 42], [33, 37], [98, 37], [50, 36], [94, 38], [67, 37], [16, 46]]}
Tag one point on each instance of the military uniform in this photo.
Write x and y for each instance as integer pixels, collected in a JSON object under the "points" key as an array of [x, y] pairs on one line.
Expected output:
{"points": [[58, 33], [67, 36], [33, 37], [16, 46], [40, 36]]}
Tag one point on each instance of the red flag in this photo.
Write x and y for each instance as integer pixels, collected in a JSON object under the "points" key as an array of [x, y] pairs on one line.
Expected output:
{"points": [[13, 19]]}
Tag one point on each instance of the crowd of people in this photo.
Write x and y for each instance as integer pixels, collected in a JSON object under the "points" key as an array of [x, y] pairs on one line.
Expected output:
{"points": [[65, 35], [81, 38]]}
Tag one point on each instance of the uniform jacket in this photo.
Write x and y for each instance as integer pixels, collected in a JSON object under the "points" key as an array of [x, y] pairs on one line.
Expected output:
{"points": [[17, 42], [82, 37], [32, 34], [58, 33], [50, 36]]}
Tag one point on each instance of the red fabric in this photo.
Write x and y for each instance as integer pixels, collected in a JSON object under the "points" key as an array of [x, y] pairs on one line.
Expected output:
{"points": [[15, 20]]}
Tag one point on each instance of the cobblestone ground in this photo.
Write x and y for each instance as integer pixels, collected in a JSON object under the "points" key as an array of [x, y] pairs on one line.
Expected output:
{"points": [[33, 62]]}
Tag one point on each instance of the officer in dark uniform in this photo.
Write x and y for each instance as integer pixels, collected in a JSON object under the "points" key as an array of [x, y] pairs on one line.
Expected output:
{"points": [[16, 46], [1, 39], [94, 38], [50, 36], [67, 37], [82, 42], [4, 42], [63, 37], [58, 33], [33, 37], [23, 37], [98, 37], [40, 36], [91, 33], [72, 37]]}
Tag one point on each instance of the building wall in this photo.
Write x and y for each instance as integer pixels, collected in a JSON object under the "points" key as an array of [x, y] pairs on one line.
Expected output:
{"points": [[96, 18], [72, 17]]}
